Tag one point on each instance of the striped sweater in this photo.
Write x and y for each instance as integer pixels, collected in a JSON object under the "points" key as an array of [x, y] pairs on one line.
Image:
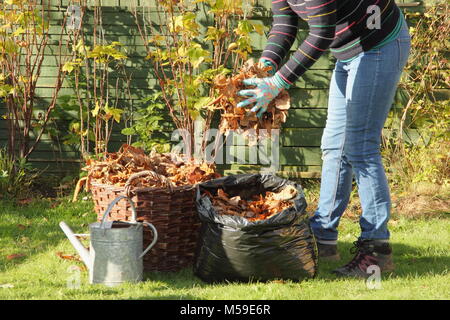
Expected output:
{"points": [[346, 27]]}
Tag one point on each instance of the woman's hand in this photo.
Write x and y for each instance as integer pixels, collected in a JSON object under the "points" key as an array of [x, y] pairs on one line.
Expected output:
{"points": [[266, 90]]}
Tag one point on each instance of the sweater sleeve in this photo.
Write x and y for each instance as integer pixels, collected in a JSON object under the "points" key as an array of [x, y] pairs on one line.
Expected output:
{"points": [[321, 19], [283, 32]]}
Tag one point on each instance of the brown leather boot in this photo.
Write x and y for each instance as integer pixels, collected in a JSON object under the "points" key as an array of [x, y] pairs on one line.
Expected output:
{"points": [[328, 252], [367, 253]]}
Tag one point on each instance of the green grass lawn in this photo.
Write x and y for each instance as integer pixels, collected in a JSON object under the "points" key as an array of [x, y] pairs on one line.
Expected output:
{"points": [[421, 248]]}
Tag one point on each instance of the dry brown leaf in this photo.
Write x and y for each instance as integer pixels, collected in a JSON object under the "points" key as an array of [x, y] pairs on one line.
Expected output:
{"points": [[287, 193], [25, 202], [66, 256], [78, 188], [222, 195], [15, 256], [283, 101], [235, 201]]}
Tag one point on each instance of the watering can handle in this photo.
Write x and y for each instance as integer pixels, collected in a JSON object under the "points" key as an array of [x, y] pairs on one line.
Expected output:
{"points": [[133, 220], [155, 238], [113, 203]]}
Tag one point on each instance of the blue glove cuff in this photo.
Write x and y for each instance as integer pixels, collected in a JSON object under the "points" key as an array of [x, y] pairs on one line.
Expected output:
{"points": [[280, 82]]}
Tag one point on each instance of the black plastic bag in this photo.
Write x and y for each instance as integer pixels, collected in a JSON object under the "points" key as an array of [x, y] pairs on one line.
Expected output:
{"points": [[234, 249]]}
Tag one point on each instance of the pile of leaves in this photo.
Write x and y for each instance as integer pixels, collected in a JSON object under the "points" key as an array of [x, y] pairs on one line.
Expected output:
{"points": [[258, 208], [241, 119], [116, 168]]}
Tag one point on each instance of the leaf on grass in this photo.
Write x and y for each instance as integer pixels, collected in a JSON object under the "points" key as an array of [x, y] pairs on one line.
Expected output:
{"points": [[66, 256], [25, 202], [54, 204], [278, 281], [82, 236], [21, 226], [24, 240], [15, 256], [71, 257]]}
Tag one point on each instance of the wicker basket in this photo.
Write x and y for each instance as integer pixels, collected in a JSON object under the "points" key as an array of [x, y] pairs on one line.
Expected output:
{"points": [[171, 210]]}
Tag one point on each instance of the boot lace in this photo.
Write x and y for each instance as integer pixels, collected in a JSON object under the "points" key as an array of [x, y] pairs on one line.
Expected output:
{"points": [[363, 257]]}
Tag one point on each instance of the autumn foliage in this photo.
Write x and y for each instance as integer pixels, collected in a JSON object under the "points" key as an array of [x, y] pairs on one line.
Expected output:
{"points": [[116, 168], [260, 207], [241, 119]]}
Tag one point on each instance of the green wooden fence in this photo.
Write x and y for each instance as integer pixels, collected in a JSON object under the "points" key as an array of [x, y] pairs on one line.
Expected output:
{"points": [[299, 151]]}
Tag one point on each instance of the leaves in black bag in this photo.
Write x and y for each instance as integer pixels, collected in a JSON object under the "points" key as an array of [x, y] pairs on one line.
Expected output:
{"points": [[259, 208]]}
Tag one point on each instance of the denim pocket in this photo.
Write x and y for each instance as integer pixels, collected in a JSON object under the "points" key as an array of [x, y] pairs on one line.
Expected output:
{"points": [[404, 46], [376, 51]]}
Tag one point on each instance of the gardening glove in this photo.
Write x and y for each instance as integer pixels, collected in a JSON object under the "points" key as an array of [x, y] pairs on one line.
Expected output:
{"points": [[266, 90], [268, 63]]}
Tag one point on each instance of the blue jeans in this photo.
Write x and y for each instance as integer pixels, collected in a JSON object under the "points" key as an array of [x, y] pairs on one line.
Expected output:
{"points": [[361, 94]]}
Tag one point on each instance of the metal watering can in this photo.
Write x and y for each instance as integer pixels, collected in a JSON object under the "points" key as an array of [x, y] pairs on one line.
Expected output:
{"points": [[115, 254]]}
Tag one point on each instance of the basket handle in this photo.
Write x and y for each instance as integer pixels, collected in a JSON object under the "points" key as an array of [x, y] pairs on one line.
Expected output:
{"points": [[150, 173]]}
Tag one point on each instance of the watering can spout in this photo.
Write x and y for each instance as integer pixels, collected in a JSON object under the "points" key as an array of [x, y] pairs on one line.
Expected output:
{"points": [[82, 251]]}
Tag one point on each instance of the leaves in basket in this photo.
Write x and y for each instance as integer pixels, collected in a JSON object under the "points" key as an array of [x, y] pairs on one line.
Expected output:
{"points": [[116, 168]]}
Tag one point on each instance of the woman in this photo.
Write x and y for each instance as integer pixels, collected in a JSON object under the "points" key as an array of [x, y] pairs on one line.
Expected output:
{"points": [[370, 41]]}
